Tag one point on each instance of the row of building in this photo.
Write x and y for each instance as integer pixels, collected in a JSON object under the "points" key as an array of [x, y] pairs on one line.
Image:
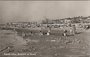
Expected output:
{"points": [[52, 26], [56, 23]]}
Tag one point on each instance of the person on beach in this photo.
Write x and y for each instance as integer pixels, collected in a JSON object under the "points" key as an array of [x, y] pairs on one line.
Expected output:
{"points": [[74, 29], [65, 33], [49, 30], [48, 33]]}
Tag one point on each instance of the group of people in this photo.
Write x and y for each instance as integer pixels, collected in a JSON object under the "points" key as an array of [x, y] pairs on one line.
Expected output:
{"points": [[72, 31]]}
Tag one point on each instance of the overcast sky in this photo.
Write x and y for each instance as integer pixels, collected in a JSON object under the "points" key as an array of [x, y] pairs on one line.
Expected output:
{"points": [[38, 10]]}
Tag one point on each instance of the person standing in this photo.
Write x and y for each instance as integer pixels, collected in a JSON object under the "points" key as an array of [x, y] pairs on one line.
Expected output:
{"points": [[70, 30], [65, 33], [74, 29], [49, 30]]}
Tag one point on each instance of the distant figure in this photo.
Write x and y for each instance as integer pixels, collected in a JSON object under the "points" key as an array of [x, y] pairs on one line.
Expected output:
{"points": [[70, 30], [65, 33], [31, 33], [15, 31], [87, 27], [74, 29], [41, 33], [48, 33]]}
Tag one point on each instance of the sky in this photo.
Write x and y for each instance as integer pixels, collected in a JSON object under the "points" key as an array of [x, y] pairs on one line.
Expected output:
{"points": [[27, 11]]}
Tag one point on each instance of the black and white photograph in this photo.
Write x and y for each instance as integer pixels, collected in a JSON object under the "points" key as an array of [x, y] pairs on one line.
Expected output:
{"points": [[44, 28]]}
